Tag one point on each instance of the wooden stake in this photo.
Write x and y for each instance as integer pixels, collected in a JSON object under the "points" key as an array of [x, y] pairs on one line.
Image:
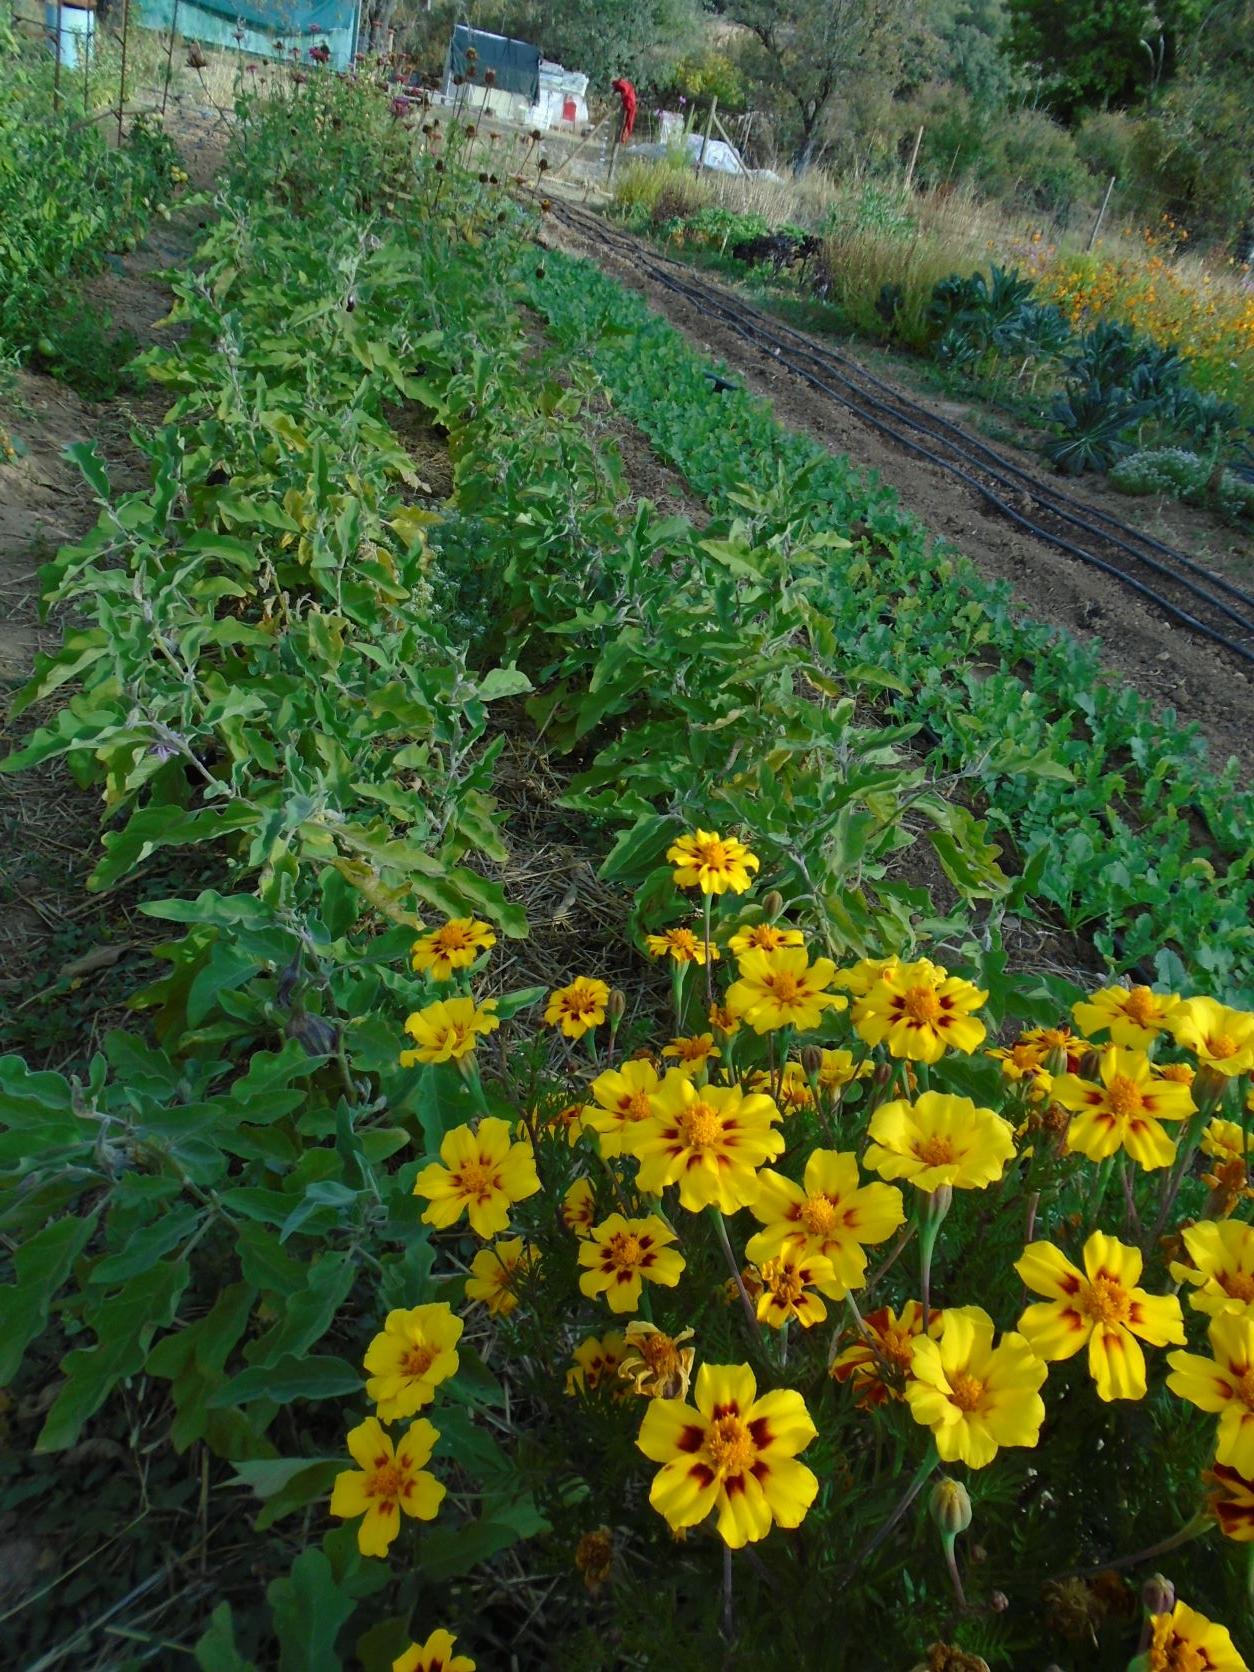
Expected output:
{"points": [[1101, 213], [169, 56], [914, 157], [571, 155], [56, 74], [126, 27], [705, 140], [609, 178]]}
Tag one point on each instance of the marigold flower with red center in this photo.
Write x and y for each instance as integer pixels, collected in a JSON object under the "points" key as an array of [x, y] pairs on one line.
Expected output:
{"points": [[831, 1213], [1133, 1016], [1225, 1140], [975, 1397], [1056, 1041], [1230, 1499], [879, 1362], [1220, 1038], [694, 1053], [786, 1284], [579, 1007], [414, 1354], [733, 1455], [497, 1274], [621, 1254], [1224, 1385], [565, 1121], [920, 1011], [721, 1017], [795, 1092], [621, 1099], [681, 945], [709, 1140], [447, 1030], [1022, 1061], [1125, 1109], [453, 946], [655, 1364], [1100, 1306], [715, 864], [1222, 1257], [597, 1362], [939, 1139], [1186, 1641], [482, 1175], [783, 989], [764, 937], [435, 1655], [390, 1481], [579, 1207]]}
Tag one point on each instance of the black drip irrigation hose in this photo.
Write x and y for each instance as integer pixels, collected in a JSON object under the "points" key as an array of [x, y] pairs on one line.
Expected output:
{"points": [[699, 297]]}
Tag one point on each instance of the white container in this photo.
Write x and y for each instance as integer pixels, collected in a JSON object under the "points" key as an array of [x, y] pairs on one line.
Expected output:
{"points": [[78, 30]]}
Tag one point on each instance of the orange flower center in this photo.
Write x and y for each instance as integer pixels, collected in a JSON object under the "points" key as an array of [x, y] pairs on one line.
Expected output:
{"points": [[659, 1352], [766, 937], [712, 854], [818, 1214], [966, 1392], [692, 1049], [635, 1107], [1171, 1653], [1106, 1301], [898, 1345], [729, 1445], [785, 1282], [1243, 1388], [579, 1001], [478, 1178], [386, 1483], [785, 986], [935, 1151], [1140, 1006], [683, 940], [700, 1126], [625, 1250], [1221, 1045], [1123, 1096], [1180, 1072], [1238, 1284], [418, 1360], [921, 1004], [452, 938]]}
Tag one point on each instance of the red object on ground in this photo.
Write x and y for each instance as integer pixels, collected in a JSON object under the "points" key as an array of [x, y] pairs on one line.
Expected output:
{"points": [[627, 93]]}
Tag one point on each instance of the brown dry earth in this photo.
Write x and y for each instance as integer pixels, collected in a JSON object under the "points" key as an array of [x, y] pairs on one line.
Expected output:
{"points": [[1173, 668]]}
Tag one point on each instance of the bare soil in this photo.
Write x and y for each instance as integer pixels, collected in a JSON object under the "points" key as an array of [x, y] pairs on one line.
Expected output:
{"points": [[1138, 647]]}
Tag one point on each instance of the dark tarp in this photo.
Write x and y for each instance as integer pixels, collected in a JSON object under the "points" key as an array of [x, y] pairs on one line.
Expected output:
{"points": [[516, 65]]}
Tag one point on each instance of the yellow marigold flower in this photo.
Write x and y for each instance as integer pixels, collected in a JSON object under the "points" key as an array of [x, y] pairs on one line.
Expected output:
{"points": [[579, 1207], [1225, 1140], [620, 1253], [1181, 1072], [391, 1479], [694, 1052], [1218, 1037], [621, 1100], [681, 945], [597, 1362], [709, 1140], [939, 1139], [721, 1017], [497, 1273], [1125, 1110], [880, 1361], [482, 1175], [712, 863], [1231, 1501], [454, 946], [564, 1122], [1132, 1016], [838, 1068], [734, 1455], [920, 1011], [1186, 1641], [579, 1007], [859, 978], [786, 1284], [594, 1558], [764, 937], [657, 1365], [435, 1655], [1223, 1384], [414, 1354], [447, 1030], [831, 1213], [1223, 1265], [973, 1396], [795, 1092], [1023, 1061], [1100, 1305], [783, 989]]}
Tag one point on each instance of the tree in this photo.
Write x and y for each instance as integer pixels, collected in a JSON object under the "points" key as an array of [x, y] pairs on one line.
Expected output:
{"points": [[1099, 52], [803, 52], [640, 39]]}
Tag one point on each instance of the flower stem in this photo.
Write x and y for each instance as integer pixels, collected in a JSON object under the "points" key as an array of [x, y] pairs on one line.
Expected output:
{"points": [[733, 1267], [937, 1207], [922, 1475], [727, 1586], [1201, 1523], [951, 1562], [708, 903]]}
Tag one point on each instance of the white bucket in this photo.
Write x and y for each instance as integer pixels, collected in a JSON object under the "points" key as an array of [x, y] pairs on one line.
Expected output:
{"points": [[78, 28]]}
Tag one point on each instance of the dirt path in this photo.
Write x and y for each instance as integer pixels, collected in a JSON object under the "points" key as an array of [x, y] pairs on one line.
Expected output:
{"points": [[1138, 647]]}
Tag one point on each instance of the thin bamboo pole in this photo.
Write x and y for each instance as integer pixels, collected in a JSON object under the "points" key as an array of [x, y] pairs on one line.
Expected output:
{"points": [[914, 157], [126, 30], [1101, 214], [705, 140], [169, 55], [56, 74]]}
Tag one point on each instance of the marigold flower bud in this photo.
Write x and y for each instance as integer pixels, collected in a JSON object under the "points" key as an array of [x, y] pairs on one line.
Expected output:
{"points": [[773, 904], [616, 1004], [1209, 1085], [1158, 1594], [811, 1060], [1091, 1065], [950, 1507]]}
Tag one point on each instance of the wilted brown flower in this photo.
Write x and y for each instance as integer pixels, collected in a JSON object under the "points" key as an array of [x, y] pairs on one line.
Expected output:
{"points": [[594, 1557]]}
